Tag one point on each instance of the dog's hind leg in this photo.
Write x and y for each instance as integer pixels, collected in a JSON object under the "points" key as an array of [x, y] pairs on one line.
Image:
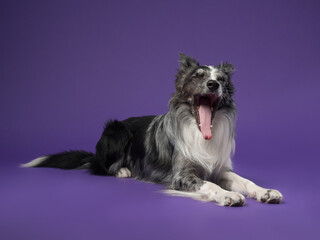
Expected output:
{"points": [[123, 173], [234, 182], [112, 150]]}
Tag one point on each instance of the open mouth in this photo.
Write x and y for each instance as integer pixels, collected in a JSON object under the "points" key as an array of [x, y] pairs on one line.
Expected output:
{"points": [[205, 105]]}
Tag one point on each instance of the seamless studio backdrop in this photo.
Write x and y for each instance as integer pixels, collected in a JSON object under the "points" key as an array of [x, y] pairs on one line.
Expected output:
{"points": [[66, 67]]}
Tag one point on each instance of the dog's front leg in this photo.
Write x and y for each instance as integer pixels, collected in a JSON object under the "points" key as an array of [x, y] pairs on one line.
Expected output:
{"points": [[189, 185], [234, 182], [212, 192]]}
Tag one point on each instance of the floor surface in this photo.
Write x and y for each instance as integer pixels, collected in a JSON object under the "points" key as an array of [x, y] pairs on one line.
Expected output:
{"points": [[41, 203]]}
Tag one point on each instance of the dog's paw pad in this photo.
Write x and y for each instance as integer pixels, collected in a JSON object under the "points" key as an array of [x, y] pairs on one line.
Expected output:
{"points": [[233, 199], [123, 173], [269, 196]]}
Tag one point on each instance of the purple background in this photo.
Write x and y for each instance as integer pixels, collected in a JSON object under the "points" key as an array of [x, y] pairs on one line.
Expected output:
{"points": [[68, 66]]}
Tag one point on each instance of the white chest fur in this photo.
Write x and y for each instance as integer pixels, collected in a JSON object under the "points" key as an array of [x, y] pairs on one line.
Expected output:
{"points": [[214, 154]]}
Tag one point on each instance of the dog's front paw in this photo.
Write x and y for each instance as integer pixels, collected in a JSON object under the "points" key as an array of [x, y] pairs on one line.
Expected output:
{"points": [[269, 196], [231, 199]]}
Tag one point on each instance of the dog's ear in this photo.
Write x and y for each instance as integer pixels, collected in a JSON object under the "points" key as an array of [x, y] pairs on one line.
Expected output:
{"points": [[187, 62], [226, 67], [187, 65]]}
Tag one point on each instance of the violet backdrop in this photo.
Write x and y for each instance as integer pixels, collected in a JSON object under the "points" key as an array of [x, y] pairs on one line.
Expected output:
{"points": [[68, 66]]}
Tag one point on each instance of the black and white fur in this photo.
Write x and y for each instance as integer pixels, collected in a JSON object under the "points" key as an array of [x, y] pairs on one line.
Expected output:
{"points": [[170, 149]]}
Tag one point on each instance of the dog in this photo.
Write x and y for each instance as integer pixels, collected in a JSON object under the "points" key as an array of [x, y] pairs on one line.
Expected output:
{"points": [[188, 149]]}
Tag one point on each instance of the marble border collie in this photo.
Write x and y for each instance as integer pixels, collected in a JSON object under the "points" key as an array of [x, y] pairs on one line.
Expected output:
{"points": [[188, 149]]}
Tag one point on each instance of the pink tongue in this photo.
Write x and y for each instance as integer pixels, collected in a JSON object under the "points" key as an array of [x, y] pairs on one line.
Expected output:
{"points": [[205, 118]]}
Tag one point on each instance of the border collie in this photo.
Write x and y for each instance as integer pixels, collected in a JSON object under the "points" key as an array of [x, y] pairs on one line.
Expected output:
{"points": [[188, 149]]}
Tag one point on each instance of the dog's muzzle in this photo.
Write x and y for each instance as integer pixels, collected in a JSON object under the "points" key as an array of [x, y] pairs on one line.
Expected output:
{"points": [[213, 85]]}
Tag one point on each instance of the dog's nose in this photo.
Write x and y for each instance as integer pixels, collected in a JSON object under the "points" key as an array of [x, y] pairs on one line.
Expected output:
{"points": [[212, 85]]}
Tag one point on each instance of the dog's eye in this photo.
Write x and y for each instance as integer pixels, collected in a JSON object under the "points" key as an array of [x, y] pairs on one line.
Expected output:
{"points": [[199, 73], [221, 79]]}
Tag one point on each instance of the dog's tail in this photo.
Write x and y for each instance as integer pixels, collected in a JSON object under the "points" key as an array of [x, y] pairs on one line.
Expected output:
{"points": [[64, 160]]}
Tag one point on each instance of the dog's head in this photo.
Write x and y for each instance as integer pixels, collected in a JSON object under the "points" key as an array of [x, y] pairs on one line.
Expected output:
{"points": [[205, 89]]}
